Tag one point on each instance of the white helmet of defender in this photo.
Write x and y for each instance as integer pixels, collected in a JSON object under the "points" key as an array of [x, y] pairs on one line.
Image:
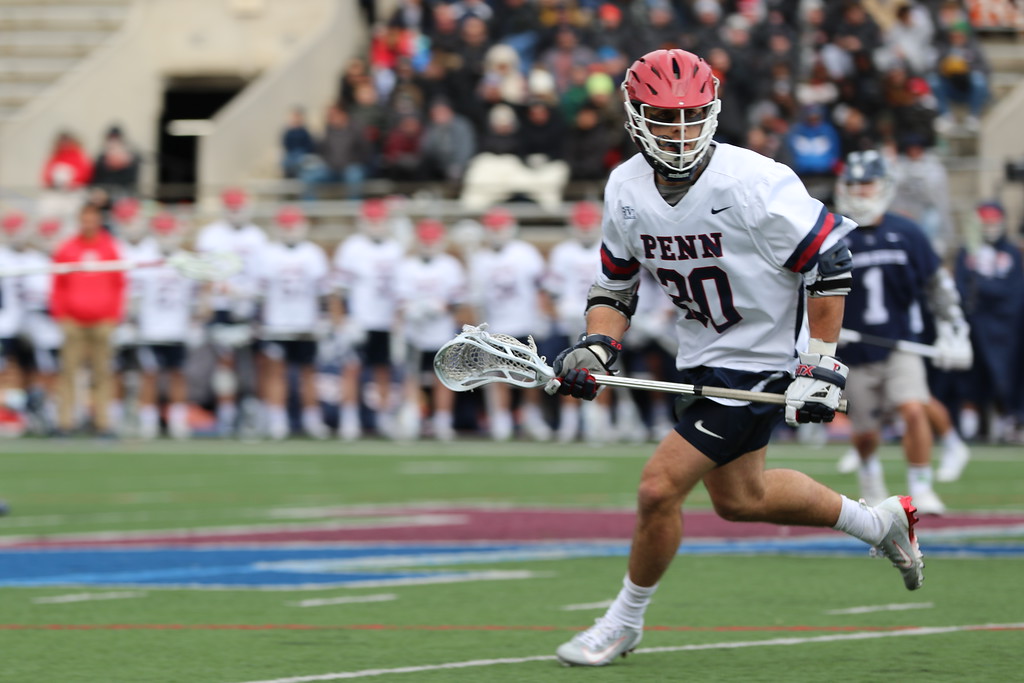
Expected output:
{"points": [[865, 188]]}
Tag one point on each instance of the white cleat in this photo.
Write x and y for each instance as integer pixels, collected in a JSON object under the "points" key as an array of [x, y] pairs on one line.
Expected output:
{"points": [[928, 503], [849, 463], [900, 542], [599, 644], [954, 460]]}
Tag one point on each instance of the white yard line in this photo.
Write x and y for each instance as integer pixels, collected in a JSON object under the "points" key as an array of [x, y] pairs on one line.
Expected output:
{"points": [[346, 600], [86, 597], [894, 607], [867, 635]]}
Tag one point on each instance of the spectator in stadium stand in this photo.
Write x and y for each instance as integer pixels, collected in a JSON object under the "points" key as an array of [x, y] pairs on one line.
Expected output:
{"points": [[614, 30], [911, 105], [449, 142], [516, 24], [910, 39], [990, 277], [922, 191], [587, 146], [356, 72], [856, 132], [413, 15], [116, 168], [961, 76], [297, 143], [503, 79], [567, 52], [663, 28], [345, 155], [474, 44], [707, 33], [401, 156], [87, 306], [68, 167], [814, 143]]}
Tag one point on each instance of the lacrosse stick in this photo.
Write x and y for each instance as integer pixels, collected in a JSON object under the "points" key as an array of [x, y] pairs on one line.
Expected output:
{"points": [[854, 337], [206, 266], [476, 357]]}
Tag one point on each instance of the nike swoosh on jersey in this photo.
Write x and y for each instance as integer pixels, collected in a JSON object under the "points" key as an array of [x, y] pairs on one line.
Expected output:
{"points": [[699, 424], [714, 210]]}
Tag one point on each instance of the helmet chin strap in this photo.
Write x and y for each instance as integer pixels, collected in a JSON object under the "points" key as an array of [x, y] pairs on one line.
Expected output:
{"points": [[687, 176]]}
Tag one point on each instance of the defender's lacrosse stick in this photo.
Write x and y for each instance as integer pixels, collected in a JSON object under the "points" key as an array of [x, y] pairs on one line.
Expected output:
{"points": [[205, 266], [476, 357], [853, 337]]}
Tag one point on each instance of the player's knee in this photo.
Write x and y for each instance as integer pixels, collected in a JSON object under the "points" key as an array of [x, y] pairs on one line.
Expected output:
{"points": [[735, 508], [656, 493], [913, 413]]}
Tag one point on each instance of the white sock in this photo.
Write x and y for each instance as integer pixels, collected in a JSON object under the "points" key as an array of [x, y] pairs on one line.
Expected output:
{"points": [[919, 479], [149, 422], [177, 420], [951, 439], [872, 465], [970, 422], [860, 521], [227, 413], [631, 603]]}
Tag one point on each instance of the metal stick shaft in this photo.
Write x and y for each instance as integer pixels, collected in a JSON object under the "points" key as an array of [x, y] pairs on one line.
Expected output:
{"points": [[697, 390]]}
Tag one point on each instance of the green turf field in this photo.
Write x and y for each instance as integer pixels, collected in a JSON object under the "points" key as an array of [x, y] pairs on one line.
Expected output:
{"points": [[85, 597]]}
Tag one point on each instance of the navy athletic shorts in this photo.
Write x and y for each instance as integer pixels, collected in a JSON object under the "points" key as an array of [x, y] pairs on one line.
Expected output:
{"points": [[722, 432]]}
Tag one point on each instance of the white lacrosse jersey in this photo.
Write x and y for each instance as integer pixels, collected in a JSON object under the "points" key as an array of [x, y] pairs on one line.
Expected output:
{"points": [[12, 309], [734, 255], [38, 327], [427, 290], [164, 302], [505, 285], [366, 273], [291, 282], [237, 292], [572, 270]]}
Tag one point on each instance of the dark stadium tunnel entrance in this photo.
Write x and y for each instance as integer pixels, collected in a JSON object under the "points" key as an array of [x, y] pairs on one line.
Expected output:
{"points": [[189, 102]]}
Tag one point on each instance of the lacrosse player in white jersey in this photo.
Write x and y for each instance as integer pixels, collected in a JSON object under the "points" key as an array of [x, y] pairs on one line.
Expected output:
{"points": [[759, 271], [366, 268], [165, 303], [16, 235], [40, 331], [431, 289], [505, 279], [292, 282], [573, 265], [233, 303]]}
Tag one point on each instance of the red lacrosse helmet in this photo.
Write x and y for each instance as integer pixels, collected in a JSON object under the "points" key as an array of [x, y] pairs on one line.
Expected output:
{"points": [[374, 221], [236, 206], [672, 105], [292, 224], [586, 222], [12, 222], [167, 230], [500, 226], [125, 209], [430, 234]]}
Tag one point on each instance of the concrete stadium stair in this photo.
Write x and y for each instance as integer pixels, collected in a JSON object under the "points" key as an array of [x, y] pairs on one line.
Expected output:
{"points": [[41, 40]]}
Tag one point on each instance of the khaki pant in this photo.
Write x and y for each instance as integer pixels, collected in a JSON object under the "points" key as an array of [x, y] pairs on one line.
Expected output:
{"points": [[90, 344]]}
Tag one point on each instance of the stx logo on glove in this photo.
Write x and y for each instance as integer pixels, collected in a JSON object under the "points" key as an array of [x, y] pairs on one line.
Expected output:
{"points": [[805, 371]]}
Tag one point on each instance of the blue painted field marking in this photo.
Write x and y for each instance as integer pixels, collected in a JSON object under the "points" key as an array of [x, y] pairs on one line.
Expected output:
{"points": [[283, 567]]}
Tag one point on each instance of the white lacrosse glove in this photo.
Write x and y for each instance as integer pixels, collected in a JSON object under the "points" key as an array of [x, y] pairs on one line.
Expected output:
{"points": [[350, 334], [574, 367], [953, 344], [814, 395]]}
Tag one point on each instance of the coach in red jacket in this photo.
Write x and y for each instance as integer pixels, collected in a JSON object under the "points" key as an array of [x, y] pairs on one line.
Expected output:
{"points": [[88, 306]]}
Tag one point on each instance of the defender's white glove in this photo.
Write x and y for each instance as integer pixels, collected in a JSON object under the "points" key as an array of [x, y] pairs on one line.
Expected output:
{"points": [[814, 395], [953, 343]]}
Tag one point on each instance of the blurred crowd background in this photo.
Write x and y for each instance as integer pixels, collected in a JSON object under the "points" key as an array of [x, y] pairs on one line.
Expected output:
{"points": [[480, 131]]}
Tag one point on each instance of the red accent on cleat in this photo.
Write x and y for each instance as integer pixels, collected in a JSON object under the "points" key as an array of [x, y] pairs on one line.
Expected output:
{"points": [[908, 506]]}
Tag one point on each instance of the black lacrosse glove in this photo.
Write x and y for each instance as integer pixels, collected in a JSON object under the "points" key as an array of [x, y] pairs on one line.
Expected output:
{"points": [[573, 366]]}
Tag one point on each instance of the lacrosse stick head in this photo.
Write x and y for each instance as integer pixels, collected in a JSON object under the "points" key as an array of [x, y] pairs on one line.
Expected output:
{"points": [[212, 266], [476, 357]]}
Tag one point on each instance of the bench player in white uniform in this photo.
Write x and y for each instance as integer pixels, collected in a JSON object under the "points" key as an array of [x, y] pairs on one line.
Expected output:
{"points": [[131, 228], [366, 268], [738, 244], [505, 278], [233, 304], [165, 304], [292, 283], [573, 264], [41, 333], [12, 316], [431, 289]]}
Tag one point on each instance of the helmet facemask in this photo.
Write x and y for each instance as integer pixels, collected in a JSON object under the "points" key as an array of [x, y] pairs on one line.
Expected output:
{"points": [[674, 141], [865, 188]]}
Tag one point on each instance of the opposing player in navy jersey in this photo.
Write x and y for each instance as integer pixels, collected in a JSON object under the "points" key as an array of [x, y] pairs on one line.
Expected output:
{"points": [[738, 244], [894, 266]]}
